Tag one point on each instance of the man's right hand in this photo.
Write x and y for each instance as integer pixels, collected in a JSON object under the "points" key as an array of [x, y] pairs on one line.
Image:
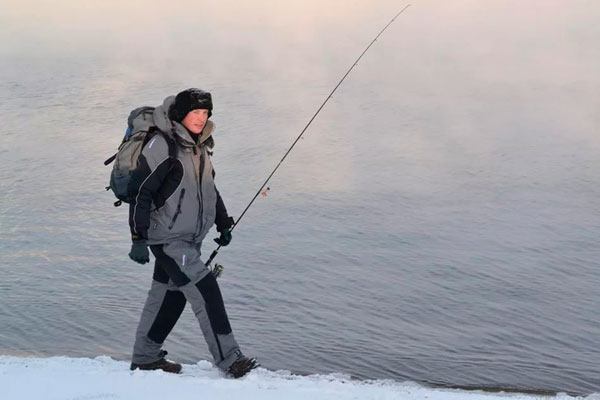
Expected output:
{"points": [[139, 252]]}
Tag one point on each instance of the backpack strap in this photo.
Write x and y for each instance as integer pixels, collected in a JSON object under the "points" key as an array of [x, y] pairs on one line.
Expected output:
{"points": [[170, 141], [110, 159], [172, 146]]}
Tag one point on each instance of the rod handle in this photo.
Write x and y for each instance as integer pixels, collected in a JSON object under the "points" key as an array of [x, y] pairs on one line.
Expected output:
{"points": [[211, 258]]}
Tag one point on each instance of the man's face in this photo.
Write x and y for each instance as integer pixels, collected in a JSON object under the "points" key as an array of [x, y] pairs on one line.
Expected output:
{"points": [[195, 120]]}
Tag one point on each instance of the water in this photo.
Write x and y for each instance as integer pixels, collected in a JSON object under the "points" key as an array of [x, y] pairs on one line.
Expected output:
{"points": [[438, 223]]}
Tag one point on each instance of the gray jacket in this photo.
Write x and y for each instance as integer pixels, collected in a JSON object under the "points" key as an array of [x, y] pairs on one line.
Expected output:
{"points": [[175, 198]]}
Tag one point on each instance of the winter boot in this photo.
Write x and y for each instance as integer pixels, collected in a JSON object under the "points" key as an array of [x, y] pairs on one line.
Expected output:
{"points": [[163, 364], [242, 366]]}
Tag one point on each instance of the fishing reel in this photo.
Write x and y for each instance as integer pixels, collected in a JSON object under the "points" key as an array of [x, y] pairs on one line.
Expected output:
{"points": [[217, 270]]}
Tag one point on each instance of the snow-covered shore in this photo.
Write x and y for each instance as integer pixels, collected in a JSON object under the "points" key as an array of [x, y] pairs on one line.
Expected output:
{"points": [[104, 378]]}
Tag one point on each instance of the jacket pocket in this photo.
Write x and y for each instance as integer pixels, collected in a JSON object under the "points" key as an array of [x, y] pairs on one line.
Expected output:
{"points": [[178, 211]]}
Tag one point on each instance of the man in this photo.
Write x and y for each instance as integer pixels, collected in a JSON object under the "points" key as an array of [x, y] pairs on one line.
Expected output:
{"points": [[174, 203]]}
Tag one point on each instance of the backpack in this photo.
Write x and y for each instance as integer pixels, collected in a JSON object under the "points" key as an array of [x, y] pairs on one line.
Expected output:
{"points": [[140, 129]]}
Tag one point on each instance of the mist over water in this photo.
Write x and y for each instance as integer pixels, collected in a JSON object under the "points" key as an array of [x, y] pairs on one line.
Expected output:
{"points": [[438, 223]]}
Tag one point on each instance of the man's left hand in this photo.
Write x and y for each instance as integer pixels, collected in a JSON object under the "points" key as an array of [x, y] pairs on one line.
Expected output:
{"points": [[225, 238]]}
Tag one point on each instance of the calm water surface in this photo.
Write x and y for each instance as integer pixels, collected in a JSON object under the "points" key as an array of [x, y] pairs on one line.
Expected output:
{"points": [[439, 223]]}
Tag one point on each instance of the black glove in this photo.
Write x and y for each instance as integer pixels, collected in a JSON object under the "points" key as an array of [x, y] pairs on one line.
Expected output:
{"points": [[225, 238], [139, 252]]}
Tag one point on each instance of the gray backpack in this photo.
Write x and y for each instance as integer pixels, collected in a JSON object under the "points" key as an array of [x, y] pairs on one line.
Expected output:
{"points": [[140, 129]]}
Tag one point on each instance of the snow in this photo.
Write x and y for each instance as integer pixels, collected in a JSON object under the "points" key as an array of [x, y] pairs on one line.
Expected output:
{"points": [[104, 378]]}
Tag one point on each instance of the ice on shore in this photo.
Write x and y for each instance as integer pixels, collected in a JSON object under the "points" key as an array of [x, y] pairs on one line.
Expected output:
{"points": [[104, 378]]}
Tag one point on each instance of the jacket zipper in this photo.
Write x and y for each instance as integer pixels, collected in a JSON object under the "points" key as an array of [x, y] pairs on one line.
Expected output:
{"points": [[178, 211], [197, 174], [200, 187]]}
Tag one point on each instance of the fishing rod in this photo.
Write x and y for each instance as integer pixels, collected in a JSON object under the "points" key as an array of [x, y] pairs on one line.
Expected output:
{"points": [[218, 268]]}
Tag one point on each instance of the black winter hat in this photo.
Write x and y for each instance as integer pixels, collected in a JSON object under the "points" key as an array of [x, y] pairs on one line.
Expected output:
{"points": [[188, 100]]}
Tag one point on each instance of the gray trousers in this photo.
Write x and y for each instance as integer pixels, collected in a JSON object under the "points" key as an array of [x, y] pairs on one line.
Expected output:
{"points": [[179, 277]]}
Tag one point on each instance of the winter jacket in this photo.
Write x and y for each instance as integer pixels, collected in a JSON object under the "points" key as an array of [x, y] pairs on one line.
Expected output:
{"points": [[175, 198]]}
